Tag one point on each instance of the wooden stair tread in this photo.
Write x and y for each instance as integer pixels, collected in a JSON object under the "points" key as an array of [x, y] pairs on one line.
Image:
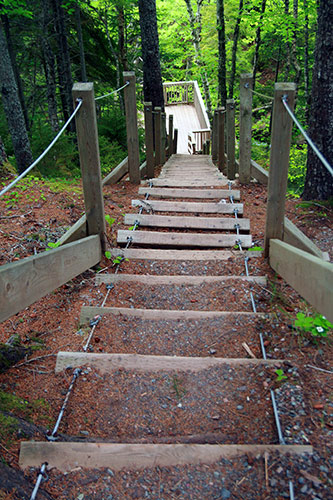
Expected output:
{"points": [[117, 456], [89, 312], [153, 279], [160, 182], [106, 362], [187, 222], [183, 239], [189, 206], [184, 255], [212, 194]]}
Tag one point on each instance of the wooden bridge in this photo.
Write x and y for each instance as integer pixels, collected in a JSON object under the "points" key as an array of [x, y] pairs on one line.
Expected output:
{"points": [[191, 213]]}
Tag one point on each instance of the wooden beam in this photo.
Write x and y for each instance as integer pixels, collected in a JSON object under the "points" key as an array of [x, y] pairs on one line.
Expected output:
{"points": [[259, 173], [152, 279], [25, 281], [245, 127], [298, 239], [88, 312], [106, 363], [184, 255], [230, 119], [87, 137], [189, 207], [149, 138], [213, 194], [310, 276], [157, 114], [279, 163], [132, 127], [214, 135], [187, 222], [170, 136], [117, 173], [221, 140], [190, 240], [160, 182], [117, 456]]}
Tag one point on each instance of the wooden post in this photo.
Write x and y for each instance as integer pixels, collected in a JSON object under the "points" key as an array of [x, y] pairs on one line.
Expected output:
{"points": [[163, 137], [175, 141], [132, 128], [214, 135], [87, 138], [220, 140], [231, 165], [279, 163], [170, 135], [245, 125], [149, 138], [158, 135]]}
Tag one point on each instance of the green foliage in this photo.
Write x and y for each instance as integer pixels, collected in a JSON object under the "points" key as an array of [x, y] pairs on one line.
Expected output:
{"points": [[280, 375], [107, 254], [297, 169], [314, 328], [110, 220], [255, 249]]}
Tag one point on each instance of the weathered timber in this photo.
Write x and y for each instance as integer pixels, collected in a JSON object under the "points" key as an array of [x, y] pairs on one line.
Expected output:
{"points": [[117, 456], [310, 276], [117, 173], [185, 222], [213, 194], [25, 281], [151, 279], [191, 255], [259, 173], [279, 163], [245, 126], [295, 237], [149, 138], [157, 113], [109, 362], [87, 137], [132, 127], [160, 182], [230, 120], [221, 140], [189, 207], [191, 240], [88, 312]]}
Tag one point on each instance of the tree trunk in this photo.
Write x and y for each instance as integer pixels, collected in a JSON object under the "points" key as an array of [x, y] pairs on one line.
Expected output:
{"points": [[12, 56], [295, 63], [319, 182], [287, 70], [152, 76], [222, 72], [306, 60], [81, 46], [234, 50], [13, 109], [3, 156], [196, 26], [258, 43]]}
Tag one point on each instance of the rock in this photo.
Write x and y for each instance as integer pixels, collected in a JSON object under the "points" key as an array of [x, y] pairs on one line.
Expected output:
{"points": [[225, 493]]}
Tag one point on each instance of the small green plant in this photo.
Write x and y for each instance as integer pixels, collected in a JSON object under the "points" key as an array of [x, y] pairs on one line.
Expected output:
{"points": [[107, 254], [280, 375], [255, 249], [177, 387], [110, 220], [52, 245], [316, 327]]}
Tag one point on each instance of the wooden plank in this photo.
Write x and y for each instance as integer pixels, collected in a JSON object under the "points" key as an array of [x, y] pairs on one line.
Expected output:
{"points": [[213, 194], [259, 173], [184, 255], [158, 135], [25, 281], [310, 276], [160, 182], [206, 240], [221, 140], [106, 363], [87, 137], [245, 127], [184, 222], [189, 207], [279, 163], [151, 279], [132, 127], [230, 119], [149, 138], [117, 173], [89, 312], [295, 237], [117, 456], [74, 233]]}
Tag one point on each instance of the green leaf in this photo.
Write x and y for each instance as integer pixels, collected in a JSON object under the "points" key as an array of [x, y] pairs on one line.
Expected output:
{"points": [[107, 254]]}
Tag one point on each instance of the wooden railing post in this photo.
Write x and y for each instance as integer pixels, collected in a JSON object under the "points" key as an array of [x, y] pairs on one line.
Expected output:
{"points": [[279, 163], [175, 141], [163, 137], [231, 165], [87, 138], [149, 139], [220, 140], [245, 126], [157, 134], [214, 135], [170, 138], [132, 128]]}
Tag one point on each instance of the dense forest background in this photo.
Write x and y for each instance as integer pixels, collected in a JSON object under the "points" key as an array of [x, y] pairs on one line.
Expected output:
{"points": [[53, 43]]}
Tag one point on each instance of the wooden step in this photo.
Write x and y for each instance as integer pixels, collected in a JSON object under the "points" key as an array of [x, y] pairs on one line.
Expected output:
{"points": [[89, 312], [152, 279], [187, 222], [189, 207], [212, 194], [183, 255], [160, 182], [183, 239], [68, 456], [106, 363]]}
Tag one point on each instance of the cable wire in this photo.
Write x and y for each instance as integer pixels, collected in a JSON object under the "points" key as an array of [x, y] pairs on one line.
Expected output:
{"points": [[307, 138], [15, 181], [113, 92]]}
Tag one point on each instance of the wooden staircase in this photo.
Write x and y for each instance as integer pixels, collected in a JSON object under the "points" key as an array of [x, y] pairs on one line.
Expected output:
{"points": [[172, 233]]}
